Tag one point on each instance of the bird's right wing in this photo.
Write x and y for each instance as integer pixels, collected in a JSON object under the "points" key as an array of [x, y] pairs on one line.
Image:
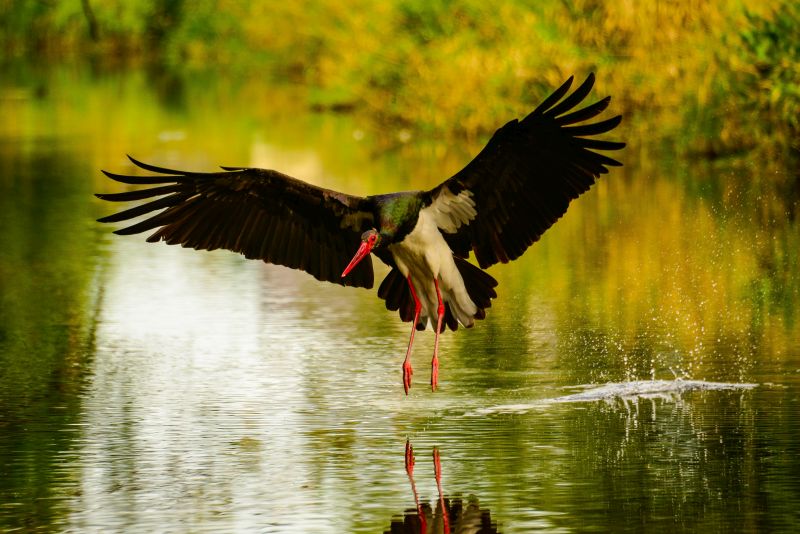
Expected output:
{"points": [[524, 179], [260, 213]]}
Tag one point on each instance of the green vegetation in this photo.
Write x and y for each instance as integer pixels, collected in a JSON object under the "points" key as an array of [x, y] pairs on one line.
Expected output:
{"points": [[707, 80], [453, 68]]}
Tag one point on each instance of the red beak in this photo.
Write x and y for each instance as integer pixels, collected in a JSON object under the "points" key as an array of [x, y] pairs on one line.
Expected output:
{"points": [[363, 252]]}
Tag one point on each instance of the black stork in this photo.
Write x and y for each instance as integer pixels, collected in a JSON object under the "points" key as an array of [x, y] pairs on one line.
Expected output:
{"points": [[496, 207]]}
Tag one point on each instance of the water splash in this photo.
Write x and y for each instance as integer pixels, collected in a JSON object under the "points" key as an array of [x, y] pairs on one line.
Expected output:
{"points": [[623, 391]]}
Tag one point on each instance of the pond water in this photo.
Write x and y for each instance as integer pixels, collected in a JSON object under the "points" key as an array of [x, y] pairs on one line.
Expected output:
{"points": [[640, 369]]}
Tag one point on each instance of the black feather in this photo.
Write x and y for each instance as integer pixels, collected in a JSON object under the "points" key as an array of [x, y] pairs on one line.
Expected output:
{"points": [[574, 99], [260, 213], [140, 194], [584, 114], [142, 180], [594, 129], [553, 98], [480, 287], [131, 213], [525, 177], [153, 168]]}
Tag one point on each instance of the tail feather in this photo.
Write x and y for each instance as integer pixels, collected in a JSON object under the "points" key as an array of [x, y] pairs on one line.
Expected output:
{"points": [[394, 290], [479, 284]]}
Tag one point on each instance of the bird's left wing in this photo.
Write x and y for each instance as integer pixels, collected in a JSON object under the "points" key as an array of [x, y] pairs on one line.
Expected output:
{"points": [[260, 213], [524, 179]]}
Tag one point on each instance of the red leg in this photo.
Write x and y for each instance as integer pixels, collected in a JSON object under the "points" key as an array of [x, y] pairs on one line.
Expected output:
{"points": [[435, 361], [410, 473], [407, 370], [437, 471]]}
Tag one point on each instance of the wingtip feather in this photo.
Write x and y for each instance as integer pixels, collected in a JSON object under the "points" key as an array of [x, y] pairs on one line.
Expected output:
{"points": [[135, 161], [113, 176], [154, 168], [554, 97]]}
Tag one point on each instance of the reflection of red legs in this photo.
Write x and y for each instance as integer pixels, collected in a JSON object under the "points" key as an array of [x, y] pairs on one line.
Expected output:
{"points": [[407, 370], [435, 360], [437, 470], [410, 473]]}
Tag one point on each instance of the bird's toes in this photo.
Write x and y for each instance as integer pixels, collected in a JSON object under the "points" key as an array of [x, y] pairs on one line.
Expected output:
{"points": [[407, 372], [434, 374]]}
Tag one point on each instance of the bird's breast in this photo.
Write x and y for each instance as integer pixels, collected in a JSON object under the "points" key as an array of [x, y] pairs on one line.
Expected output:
{"points": [[425, 256], [423, 251]]}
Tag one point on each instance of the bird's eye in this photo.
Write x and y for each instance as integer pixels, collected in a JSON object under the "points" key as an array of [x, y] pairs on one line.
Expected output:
{"points": [[372, 239]]}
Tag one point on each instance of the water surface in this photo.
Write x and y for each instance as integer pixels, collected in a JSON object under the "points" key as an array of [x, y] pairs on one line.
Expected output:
{"points": [[146, 387]]}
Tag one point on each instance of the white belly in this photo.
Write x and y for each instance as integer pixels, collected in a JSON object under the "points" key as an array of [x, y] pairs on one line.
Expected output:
{"points": [[424, 255]]}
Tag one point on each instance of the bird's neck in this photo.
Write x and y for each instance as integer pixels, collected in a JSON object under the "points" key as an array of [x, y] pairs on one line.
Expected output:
{"points": [[397, 214]]}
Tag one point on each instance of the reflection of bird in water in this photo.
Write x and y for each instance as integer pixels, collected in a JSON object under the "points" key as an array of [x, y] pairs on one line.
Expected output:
{"points": [[495, 208], [451, 515]]}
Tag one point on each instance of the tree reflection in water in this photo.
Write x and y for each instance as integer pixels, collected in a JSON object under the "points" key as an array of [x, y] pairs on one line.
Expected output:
{"points": [[451, 515]]}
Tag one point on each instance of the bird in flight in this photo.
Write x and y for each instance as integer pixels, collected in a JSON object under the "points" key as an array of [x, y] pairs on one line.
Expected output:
{"points": [[495, 208]]}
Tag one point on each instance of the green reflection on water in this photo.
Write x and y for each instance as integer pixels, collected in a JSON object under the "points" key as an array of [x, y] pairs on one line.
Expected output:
{"points": [[664, 267], [47, 319]]}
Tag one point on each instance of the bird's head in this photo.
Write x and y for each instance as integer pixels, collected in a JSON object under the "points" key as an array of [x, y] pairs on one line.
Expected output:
{"points": [[369, 240]]}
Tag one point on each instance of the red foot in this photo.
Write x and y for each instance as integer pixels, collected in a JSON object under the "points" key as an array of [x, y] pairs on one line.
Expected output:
{"points": [[407, 372], [409, 459]]}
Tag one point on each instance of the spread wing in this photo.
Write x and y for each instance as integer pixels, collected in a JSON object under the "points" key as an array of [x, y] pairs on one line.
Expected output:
{"points": [[260, 213], [524, 179]]}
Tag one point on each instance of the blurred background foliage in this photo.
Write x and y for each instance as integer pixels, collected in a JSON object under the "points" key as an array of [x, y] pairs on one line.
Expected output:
{"points": [[451, 68], [709, 80]]}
